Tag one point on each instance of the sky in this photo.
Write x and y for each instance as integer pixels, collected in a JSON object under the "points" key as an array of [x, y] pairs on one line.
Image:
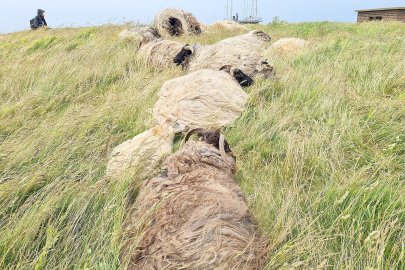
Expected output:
{"points": [[16, 14]]}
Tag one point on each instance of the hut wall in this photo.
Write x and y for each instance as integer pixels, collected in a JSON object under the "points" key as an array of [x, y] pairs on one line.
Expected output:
{"points": [[384, 15]]}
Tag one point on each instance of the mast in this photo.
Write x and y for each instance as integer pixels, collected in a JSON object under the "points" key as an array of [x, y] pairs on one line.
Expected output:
{"points": [[227, 10], [255, 7], [231, 17], [249, 15], [245, 14]]}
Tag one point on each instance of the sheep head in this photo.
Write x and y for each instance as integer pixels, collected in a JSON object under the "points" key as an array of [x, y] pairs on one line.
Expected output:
{"points": [[149, 34], [183, 56], [193, 24], [210, 137], [211, 150], [141, 34], [261, 35], [243, 79], [265, 69]]}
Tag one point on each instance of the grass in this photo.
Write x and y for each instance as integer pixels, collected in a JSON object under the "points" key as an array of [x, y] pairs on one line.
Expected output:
{"points": [[321, 149]]}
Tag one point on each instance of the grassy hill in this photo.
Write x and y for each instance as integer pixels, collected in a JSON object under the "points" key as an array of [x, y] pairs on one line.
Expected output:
{"points": [[321, 149]]}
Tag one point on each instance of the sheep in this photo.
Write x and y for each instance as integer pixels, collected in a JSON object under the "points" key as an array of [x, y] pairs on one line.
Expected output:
{"points": [[157, 52], [194, 26], [160, 53], [128, 34], [205, 98], [240, 51], [194, 215], [249, 61], [144, 34], [176, 22], [146, 149], [288, 46], [254, 39], [226, 25], [243, 79]]}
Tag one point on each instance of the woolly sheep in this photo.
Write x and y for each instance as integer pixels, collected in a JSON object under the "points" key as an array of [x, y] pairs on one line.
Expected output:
{"points": [[144, 152], [241, 51], [144, 34], [288, 46], [254, 40], [226, 25], [194, 215], [156, 51], [206, 98], [194, 26], [160, 53], [176, 22], [128, 34]]}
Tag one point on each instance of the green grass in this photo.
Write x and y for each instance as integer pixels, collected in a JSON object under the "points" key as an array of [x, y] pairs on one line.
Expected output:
{"points": [[321, 149]]}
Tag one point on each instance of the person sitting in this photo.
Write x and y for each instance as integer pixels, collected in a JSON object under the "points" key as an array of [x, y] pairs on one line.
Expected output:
{"points": [[39, 20]]}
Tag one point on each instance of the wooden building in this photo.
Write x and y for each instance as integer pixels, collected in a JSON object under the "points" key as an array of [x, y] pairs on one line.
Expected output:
{"points": [[381, 14]]}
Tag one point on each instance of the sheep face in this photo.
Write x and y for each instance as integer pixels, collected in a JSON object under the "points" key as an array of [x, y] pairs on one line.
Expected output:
{"points": [[183, 56], [193, 24], [210, 137], [243, 79], [196, 29], [213, 150], [261, 35], [265, 69]]}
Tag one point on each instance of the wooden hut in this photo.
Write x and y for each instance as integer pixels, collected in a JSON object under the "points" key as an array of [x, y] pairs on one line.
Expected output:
{"points": [[381, 14]]}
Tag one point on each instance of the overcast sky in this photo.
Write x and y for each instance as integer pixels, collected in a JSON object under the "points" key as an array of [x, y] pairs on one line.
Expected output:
{"points": [[17, 13]]}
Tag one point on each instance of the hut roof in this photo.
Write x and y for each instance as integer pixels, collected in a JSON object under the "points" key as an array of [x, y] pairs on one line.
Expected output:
{"points": [[381, 9]]}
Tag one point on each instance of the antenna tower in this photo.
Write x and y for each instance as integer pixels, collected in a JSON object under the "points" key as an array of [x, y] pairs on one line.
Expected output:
{"points": [[250, 12]]}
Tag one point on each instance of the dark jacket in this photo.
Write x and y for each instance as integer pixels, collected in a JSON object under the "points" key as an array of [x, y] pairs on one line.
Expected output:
{"points": [[39, 20]]}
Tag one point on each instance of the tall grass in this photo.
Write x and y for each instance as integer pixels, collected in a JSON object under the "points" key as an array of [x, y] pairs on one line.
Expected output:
{"points": [[321, 149]]}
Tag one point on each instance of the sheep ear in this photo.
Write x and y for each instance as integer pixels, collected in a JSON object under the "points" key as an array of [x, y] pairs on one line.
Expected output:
{"points": [[265, 37], [192, 132], [226, 68], [189, 48], [230, 70], [222, 149]]}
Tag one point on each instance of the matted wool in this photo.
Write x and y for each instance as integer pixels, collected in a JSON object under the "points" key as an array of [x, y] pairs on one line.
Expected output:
{"points": [[144, 152], [176, 22], [288, 46], [194, 216], [205, 99], [160, 53], [226, 25]]}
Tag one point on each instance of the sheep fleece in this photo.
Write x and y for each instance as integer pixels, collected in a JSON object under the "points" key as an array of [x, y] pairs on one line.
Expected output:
{"points": [[251, 40], [240, 51], [218, 55], [160, 53], [205, 98], [227, 25], [288, 46], [189, 24], [201, 219], [146, 149], [141, 34]]}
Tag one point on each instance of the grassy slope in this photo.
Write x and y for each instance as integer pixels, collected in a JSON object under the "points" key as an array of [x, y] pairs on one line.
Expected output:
{"points": [[321, 150]]}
